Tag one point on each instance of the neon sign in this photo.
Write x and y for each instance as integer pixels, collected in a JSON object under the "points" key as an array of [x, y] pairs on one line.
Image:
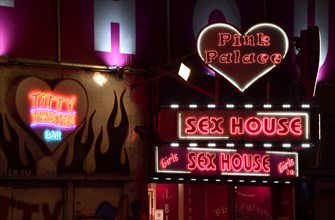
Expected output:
{"points": [[229, 162], [49, 112], [168, 160], [52, 135], [287, 166], [242, 59], [53, 110], [234, 125]]}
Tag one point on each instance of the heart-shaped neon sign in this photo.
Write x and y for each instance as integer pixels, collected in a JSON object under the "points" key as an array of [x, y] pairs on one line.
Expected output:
{"points": [[242, 59], [50, 113]]}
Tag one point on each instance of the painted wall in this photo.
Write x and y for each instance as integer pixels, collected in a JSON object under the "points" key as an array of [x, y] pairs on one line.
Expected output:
{"points": [[144, 33], [99, 167]]}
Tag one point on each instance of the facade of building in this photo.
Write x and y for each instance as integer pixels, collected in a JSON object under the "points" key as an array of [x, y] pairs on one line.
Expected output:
{"points": [[96, 124]]}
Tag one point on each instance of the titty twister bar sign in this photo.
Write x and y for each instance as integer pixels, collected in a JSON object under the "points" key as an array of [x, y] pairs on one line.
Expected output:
{"points": [[234, 125], [228, 162], [49, 111], [242, 59]]}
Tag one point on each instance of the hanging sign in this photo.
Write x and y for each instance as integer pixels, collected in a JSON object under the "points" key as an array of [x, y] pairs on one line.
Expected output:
{"points": [[227, 162], [242, 58], [234, 125]]}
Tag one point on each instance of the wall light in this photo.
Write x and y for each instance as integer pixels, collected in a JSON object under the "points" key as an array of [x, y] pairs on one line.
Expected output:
{"points": [[184, 71], [99, 79]]}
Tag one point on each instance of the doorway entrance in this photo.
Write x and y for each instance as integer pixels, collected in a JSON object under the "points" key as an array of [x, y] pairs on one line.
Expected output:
{"points": [[211, 201]]}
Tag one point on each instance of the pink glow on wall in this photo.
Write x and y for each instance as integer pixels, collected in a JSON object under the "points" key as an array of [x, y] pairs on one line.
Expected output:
{"points": [[5, 33], [114, 58], [253, 202]]}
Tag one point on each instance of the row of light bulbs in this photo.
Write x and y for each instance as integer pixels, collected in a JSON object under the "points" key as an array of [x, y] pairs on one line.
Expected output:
{"points": [[220, 180], [247, 106], [247, 145]]}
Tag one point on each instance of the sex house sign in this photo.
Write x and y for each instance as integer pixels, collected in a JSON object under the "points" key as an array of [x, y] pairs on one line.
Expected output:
{"points": [[235, 125], [231, 142]]}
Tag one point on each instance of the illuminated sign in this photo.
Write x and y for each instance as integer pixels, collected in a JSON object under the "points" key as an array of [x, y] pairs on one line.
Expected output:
{"points": [[234, 125], [53, 110], [50, 112], [228, 162], [242, 59]]}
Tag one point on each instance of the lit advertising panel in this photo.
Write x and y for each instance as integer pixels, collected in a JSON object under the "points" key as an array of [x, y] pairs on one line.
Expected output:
{"points": [[52, 112], [242, 59], [234, 125], [225, 162]]}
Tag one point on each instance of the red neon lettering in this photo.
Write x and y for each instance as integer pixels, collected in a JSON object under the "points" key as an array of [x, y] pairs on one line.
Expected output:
{"points": [[295, 126], [236, 162], [204, 125], [259, 39], [248, 40], [166, 161], [202, 161], [46, 100], [257, 163], [253, 125], [70, 103], [262, 58], [247, 162], [236, 125], [223, 38], [225, 162], [48, 117], [283, 126], [211, 163], [237, 40], [276, 58], [210, 55], [226, 58], [249, 58], [266, 125], [263, 40], [266, 163], [269, 125], [192, 164], [217, 125], [191, 128], [285, 165]]}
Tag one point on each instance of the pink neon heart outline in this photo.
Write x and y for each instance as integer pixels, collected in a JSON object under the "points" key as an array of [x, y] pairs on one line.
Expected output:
{"points": [[231, 28]]}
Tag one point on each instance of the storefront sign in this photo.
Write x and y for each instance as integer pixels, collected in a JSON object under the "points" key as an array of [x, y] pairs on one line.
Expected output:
{"points": [[51, 112], [235, 125], [242, 59], [52, 109], [228, 162]]}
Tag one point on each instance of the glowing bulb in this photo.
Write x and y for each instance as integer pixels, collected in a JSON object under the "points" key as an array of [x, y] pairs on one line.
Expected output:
{"points": [[99, 79]]}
